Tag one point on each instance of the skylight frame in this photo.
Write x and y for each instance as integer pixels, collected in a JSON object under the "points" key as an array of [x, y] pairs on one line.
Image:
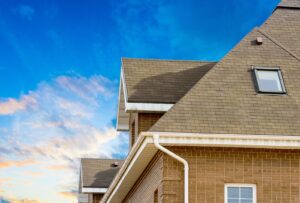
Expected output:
{"points": [[256, 70]]}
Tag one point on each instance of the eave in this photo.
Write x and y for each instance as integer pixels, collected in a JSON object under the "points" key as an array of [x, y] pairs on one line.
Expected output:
{"points": [[144, 150]]}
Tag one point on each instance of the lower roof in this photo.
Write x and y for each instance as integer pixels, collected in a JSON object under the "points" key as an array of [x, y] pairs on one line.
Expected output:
{"points": [[98, 173]]}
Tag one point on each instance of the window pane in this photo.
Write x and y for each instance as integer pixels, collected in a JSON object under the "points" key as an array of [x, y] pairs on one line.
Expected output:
{"points": [[246, 201], [233, 201], [246, 193], [268, 81], [233, 192]]}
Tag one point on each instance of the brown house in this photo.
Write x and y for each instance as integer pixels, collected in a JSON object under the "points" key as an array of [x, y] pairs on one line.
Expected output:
{"points": [[215, 132], [95, 177]]}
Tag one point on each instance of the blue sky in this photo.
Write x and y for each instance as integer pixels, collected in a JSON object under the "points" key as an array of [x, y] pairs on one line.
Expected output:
{"points": [[59, 74]]}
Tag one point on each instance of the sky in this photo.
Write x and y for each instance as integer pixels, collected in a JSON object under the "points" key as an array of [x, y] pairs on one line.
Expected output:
{"points": [[59, 77]]}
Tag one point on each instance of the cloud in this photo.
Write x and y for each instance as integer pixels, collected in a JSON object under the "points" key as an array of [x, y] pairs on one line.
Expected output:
{"points": [[72, 195], [10, 105], [67, 118], [25, 11], [17, 163]]}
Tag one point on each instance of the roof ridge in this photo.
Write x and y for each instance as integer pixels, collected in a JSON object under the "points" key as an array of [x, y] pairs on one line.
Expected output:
{"points": [[278, 43], [171, 60]]}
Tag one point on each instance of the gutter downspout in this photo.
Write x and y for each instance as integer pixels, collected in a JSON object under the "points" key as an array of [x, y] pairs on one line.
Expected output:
{"points": [[178, 158]]}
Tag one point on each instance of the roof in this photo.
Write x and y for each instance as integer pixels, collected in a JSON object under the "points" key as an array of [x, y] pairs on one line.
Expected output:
{"points": [[154, 81], [161, 81], [289, 4], [225, 99], [98, 173]]}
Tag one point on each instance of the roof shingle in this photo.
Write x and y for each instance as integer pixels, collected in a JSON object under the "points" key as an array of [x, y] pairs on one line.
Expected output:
{"points": [[225, 99], [161, 81], [98, 173]]}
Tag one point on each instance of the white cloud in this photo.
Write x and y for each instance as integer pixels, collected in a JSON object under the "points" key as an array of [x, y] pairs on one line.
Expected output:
{"points": [[54, 126], [11, 106]]}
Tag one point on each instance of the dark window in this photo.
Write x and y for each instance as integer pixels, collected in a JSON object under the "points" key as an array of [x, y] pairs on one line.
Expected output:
{"points": [[269, 80], [155, 196]]}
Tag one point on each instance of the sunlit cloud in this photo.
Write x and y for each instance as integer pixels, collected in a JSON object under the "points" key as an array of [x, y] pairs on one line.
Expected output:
{"points": [[72, 195], [12, 163], [11, 106], [63, 120]]}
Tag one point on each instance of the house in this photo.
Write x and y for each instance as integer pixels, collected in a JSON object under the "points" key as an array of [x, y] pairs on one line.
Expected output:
{"points": [[212, 132], [95, 177]]}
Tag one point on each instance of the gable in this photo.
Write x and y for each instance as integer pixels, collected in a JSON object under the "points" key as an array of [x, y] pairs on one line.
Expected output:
{"points": [[225, 99]]}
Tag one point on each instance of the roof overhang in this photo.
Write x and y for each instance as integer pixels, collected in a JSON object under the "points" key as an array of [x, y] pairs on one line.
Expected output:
{"points": [[144, 150], [125, 107], [93, 190]]}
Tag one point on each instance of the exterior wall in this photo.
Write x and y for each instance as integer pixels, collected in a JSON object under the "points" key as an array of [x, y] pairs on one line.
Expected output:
{"points": [[276, 173], [149, 184], [95, 198], [139, 122]]}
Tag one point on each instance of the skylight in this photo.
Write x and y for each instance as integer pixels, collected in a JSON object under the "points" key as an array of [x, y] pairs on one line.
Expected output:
{"points": [[269, 80]]}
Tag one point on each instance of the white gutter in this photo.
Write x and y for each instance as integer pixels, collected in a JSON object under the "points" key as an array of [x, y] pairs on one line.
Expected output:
{"points": [[178, 158], [146, 141]]}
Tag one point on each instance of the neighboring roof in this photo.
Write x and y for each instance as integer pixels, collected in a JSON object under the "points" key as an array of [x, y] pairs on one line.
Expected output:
{"points": [[161, 81], [225, 99], [155, 82], [289, 4], [98, 173]]}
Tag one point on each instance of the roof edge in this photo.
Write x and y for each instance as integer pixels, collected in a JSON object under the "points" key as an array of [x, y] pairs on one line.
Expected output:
{"points": [[169, 60], [196, 139]]}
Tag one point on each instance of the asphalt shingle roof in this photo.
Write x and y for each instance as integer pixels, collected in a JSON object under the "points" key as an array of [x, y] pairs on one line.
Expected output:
{"points": [[99, 173], [290, 4], [161, 81], [225, 99]]}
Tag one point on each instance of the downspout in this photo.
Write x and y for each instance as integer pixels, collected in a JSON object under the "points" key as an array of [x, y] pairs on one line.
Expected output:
{"points": [[178, 158]]}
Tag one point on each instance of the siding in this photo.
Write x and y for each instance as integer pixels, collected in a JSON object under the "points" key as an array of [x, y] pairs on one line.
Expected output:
{"points": [[276, 173], [148, 183]]}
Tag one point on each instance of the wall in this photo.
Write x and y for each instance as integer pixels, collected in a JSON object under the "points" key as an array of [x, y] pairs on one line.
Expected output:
{"points": [[276, 173], [150, 181], [140, 122]]}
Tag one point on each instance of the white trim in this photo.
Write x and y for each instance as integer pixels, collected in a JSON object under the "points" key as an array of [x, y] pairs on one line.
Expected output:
{"points": [[158, 107], [228, 140], [122, 127], [131, 163], [198, 139], [93, 190], [124, 85], [253, 186]]}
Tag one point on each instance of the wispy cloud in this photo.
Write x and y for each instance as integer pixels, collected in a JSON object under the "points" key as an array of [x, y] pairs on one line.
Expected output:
{"points": [[58, 123], [25, 11], [10, 105], [15, 163]]}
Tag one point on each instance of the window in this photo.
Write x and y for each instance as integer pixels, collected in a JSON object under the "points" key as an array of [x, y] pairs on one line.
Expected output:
{"points": [[240, 193], [269, 80], [155, 196]]}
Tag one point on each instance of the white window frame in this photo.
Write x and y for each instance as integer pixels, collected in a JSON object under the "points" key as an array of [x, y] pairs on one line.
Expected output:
{"points": [[256, 69], [253, 186]]}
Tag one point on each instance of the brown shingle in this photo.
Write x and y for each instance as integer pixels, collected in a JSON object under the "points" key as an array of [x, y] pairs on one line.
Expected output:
{"points": [[289, 4], [98, 173], [161, 81], [225, 99]]}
